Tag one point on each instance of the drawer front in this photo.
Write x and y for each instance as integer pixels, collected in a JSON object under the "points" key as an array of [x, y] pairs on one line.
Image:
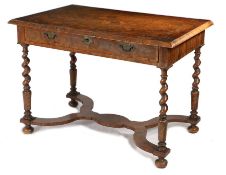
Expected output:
{"points": [[92, 45]]}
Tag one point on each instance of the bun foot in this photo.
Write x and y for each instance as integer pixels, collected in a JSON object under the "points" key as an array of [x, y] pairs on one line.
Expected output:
{"points": [[161, 163], [73, 103], [193, 129], [28, 130]]}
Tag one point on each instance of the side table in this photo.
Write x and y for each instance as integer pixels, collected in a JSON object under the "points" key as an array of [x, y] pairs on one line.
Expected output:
{"points": [[138, 37]]}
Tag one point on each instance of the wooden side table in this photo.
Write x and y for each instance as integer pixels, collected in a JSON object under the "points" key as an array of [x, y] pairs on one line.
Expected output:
{"points": [[143, 38]]}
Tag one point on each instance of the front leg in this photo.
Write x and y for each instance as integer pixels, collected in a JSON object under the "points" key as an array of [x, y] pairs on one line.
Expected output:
{"points": [[27, 118], [73, 78], [161, 162], [194, 118]]}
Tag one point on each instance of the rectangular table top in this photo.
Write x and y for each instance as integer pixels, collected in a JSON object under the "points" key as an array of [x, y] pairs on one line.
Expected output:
{"points": [[149, 29]]}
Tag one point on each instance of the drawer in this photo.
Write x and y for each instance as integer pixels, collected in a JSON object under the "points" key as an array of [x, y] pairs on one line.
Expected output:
{"points": [[92, 45]]}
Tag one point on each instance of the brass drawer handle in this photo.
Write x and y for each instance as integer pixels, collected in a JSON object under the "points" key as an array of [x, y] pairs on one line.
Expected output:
{"points": [[127, 47], [50, 35], [87, 40]]}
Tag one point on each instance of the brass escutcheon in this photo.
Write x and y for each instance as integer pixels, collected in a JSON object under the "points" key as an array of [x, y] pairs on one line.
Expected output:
{"points": [[87, 40], [50, 35], [127, 47]]}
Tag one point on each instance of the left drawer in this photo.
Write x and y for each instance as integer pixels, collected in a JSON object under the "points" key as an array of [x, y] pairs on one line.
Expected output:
{"points": [[46, 38]]}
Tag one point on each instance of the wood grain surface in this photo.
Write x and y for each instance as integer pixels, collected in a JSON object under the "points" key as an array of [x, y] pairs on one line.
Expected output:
{"points": [[157, 30], [144, 38]]}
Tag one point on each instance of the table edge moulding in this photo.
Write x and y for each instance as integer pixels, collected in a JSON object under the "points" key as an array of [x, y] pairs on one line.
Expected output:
{"points": [[137, 37]]}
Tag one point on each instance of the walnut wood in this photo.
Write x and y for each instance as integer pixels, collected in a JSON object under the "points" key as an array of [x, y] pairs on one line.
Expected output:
{"points": [[195, 93], [162, 124], [115, 121], [26, 91], [141, 142], [159, 30], [156, 39], [143, 38], [168, 56], [73, 79], [98, 46]]}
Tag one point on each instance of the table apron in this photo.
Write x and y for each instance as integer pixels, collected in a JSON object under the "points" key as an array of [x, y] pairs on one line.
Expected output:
{"points": [[89, 45]]}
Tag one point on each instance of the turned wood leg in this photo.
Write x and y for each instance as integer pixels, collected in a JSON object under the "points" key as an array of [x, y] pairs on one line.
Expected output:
{"points": [[161, 162], [194, 118], [27, 118], [73, 78]]}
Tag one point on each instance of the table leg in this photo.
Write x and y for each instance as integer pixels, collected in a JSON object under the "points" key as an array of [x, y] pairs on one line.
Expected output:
{"points": [[161, 162], [27, 118], [194, 118], [73, 79]]}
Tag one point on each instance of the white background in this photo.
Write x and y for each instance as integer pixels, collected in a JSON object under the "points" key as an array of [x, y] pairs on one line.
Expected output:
{"points": [[119, 87]]}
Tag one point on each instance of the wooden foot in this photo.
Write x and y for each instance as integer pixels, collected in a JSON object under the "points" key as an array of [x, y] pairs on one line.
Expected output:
{"points": [[28, 129], [73, 103], [161, 163], [193, 129]]}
